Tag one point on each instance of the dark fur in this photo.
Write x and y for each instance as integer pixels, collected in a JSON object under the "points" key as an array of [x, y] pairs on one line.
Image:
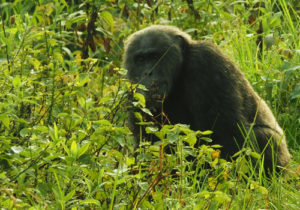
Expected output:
{"points": [[201, 87]]}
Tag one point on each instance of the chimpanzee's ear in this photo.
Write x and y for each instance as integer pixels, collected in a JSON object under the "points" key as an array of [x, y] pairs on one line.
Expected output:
{"points": [[182, 41]]}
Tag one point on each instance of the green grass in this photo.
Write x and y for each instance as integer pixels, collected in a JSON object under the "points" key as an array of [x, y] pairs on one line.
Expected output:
{"points": [[64, 141]]}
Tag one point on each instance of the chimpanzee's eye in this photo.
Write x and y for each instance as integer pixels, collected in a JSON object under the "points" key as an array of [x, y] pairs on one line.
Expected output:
{"points": [[140, 58], [153, 56], [147, 57]]}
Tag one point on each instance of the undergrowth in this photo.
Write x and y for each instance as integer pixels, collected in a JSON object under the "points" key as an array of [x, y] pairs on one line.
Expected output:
{"points": [[64, 139]]}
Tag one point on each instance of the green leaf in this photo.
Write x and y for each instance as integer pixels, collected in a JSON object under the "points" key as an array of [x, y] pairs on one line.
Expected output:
{"points": [[255, 155], [83, 149], [130, 161], [151, 130], [59, 57], [191, 139], [296, 92], [76, 17], [206, 139], [208, 132], [90, 201], [81, 101], [17, 82], [141, 102], [147, 111], [5, 120], [108, 19], [172, 137], [74, 149], [55, 131], [24, 132], [35, 62], [138, 116], [216, 146], [69, 195], [82, 79], [41, 128], [17, 149], [263, 190]]}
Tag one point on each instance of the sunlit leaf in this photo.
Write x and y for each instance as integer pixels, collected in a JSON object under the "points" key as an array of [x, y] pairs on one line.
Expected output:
{"points": [[130, 161], [82, 79], [5, 120], [74, 149], [255, 155], [90, 201], [17, 149], [35, 62], [83, 149], [108, 18], [24, 132], [140, 99], [17, 82]]}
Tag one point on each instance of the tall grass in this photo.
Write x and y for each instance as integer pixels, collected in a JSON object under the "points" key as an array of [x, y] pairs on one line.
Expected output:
{"points": [[64, 140]]}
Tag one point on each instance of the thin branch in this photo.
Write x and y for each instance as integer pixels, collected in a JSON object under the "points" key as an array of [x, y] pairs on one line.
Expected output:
{"points": [[6, 47]]}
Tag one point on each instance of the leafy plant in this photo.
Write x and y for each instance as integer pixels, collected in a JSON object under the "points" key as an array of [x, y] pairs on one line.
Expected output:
{"points": [[64, 140]]}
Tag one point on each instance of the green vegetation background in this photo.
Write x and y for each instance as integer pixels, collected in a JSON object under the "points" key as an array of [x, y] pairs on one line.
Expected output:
{"points": [[64, 140]]}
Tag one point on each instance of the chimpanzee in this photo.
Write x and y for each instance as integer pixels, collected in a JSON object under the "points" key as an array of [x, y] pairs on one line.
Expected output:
{"points": [[193, 83]]}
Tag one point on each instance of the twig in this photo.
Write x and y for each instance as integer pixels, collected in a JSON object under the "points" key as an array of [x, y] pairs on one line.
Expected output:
{"points": [[6, 47]]}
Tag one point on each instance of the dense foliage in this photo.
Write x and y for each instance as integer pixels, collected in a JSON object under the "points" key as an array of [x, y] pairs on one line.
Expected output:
{"points": [[64, 140]]}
